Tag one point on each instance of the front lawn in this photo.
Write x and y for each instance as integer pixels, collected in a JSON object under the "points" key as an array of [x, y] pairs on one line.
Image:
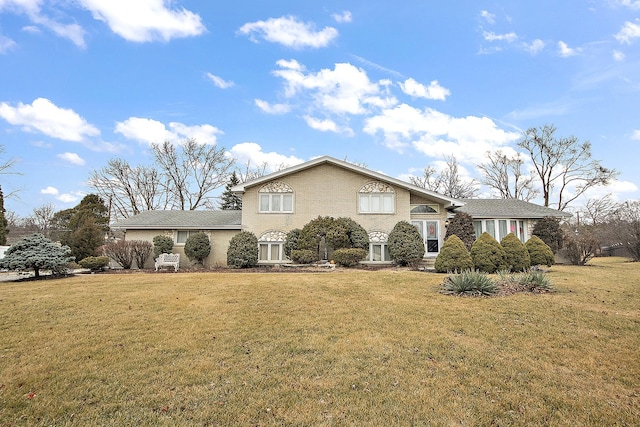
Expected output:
{"points": [[343, 347]]}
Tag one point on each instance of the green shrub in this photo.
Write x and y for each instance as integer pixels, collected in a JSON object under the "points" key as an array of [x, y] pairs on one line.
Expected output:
{"points": [[453, 257], [162, 245], [539, 252], [304, 256], [197, 247], [535, 280], [95, 263], [487, 254], [36, 252], [335, 233], [461, 225], [549, 231], [291, 241], [349, 257], [243, 250], [516, 255], [469, 283], [405, 244]]}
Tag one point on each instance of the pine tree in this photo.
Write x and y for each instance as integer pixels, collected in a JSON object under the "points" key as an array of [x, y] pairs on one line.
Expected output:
{"points": [[3, 221], [230, 201]]}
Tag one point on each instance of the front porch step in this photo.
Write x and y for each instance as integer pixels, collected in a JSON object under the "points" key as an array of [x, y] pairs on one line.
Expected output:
{"points": [[427, 263]]}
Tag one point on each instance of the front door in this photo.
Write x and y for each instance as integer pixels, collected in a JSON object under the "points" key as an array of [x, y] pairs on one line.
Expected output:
{"points": [[430, 233]]}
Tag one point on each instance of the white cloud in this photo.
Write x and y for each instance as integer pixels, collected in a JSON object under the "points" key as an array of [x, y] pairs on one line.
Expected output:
{"points": [[489, 17], [219, 81], [633, 4], [628, 32], [326, 125], [437, 134], [343, 17], [490, 36], [534, 47], [272, 108], [252, 153], [345, 89], [6, 44], [67, 198], [618, 55], [289, 32], [44, 116], [145, 20], [72, 158], [636, 135], [418, 90], [32, 8], [50, 190], [565, 51], [152, 131]]}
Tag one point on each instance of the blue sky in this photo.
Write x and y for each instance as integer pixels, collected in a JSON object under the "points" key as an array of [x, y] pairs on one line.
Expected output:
{"points": [[396, 86]]}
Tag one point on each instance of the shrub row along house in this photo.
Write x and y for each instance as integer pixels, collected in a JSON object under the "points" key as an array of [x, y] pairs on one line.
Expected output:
{"points": [[275, 204]]}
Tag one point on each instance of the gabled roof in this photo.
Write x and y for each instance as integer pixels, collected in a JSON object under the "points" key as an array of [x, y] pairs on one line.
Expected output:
{"points": [[200, 220], [507, 208], [446, 201]]}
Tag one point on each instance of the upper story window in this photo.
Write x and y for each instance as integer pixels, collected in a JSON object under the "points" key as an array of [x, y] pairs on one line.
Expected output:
{"points": [[376, 197], [275, 197]]}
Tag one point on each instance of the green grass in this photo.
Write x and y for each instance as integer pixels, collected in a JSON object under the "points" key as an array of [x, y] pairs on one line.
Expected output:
{"points": [[328, 348]]}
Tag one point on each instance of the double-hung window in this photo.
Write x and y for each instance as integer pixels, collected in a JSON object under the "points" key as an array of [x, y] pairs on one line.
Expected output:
{"points": [[183, 235]]}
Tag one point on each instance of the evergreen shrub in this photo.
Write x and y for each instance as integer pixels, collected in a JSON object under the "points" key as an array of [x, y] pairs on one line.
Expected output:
{"points": [[162, 245], [198, 247], [549, 231], [95, 263], [516, 254], [405, 244], [348, 257], [539, 252], [461, 225], [453, 257], [487, 254], [304, 256], [243, 250]]}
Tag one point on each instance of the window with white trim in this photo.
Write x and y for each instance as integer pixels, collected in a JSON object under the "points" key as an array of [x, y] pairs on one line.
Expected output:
{"points": [[499, 228], [376, 198], [425, 209], [378, 248], [270, 251], [181, 236], [276, 202]]}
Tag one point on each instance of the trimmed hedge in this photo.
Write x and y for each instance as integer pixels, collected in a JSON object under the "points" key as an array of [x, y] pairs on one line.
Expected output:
{"points": [[405, 244], [197, 247], [243, 250], [304, 256], [453, 257], [349, 257], [487, 254], [539, 252], [162, 245], [516, 254]]}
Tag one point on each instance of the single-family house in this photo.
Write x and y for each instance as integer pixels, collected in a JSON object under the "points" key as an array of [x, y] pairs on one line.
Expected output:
{"points": [[274, 204]]}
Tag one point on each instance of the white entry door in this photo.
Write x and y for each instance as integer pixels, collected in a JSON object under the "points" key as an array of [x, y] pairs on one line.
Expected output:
{"points": [[430, 232]]}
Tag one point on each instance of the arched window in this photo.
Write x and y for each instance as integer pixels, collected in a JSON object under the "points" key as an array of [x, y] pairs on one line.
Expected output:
{"points": [[271, 246], [378, 249], [275, 197], [376, 198]]}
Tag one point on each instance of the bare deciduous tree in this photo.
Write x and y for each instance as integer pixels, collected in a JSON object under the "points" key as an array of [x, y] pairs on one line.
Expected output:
{"points": [[129, 190], [598, 211], [504, 174], [563, 165], [191, 172], [42, 218], [448, 182]]}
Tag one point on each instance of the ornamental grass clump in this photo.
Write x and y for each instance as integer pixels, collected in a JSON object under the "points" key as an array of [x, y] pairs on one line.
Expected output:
{"points": [[472, 283], [535, 280]]}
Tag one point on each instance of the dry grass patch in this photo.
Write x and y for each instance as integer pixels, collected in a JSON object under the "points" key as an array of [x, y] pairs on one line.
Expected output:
{"points": [[331, 348]]}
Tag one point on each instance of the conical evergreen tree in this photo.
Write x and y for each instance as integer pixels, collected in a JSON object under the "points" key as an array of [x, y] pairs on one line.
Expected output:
{"points": [[3, 221], [230, 201]]}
